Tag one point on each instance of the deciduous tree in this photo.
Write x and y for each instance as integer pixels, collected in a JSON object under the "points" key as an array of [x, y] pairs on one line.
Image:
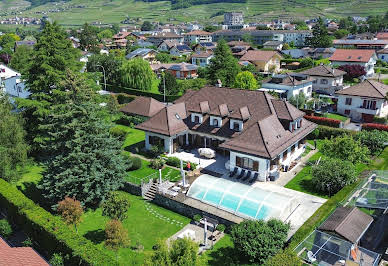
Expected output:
{"points": [[352, 71], [71, 211], [137, 74], [170, 82], [116, 236], [245, 80], [115, 207]]}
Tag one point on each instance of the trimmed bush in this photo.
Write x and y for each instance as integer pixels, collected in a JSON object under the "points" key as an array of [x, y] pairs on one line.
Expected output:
{"points": [[325, 132], [124, 98], [288, 258], [118, 132], [173, 161], [130, 120], [324, 121], [157, 164], [128, 160], [52, 234], [372, 126], [5, 228], [221, 227], [136, 163]]}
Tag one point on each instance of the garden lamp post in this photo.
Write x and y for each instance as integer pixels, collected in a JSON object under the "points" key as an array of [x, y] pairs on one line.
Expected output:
{"points": [[164, 86]]}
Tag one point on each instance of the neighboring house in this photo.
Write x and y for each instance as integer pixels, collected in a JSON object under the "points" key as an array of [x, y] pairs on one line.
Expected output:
{"points": [[11, 83], [365, 58], [202, 59], [142, 106], [296, 53], [121, 35], [197, 36], [326, 79], [165, 46], [239, 50], [75, 42], [383, 55], [180, 50], [159, 37], [145, 53], [363, 101], [361, 44], [275, 45], [205, 46], [19, 256], [289, 85], [178, 70], [255, 131], [26, 43], [382, 36], [320, 53], [264, 61]]}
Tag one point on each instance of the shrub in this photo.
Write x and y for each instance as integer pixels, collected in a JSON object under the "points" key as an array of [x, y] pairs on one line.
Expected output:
{"points": [[197, 218], [5, 228], [52, 234], [123, 98], [27, 242], [256, 241], [136, 163], [56, 260], [371, 126], [130, 120], [331, 175], [157, 163], [173, 161], [128, 160], [221, 227], [118, 132], [323, 132], [380, 120], [115, 207], [288, 258], [324, 121], [345, 147], [352, 71], [374, 140], [155, 151]]}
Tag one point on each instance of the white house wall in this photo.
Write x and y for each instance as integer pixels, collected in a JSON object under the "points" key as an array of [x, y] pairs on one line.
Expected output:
{"points": [[357, 102], [369, 66], [263, 164]]}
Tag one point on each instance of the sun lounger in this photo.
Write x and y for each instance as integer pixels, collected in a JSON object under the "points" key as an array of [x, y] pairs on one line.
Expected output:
{"points": [[247, 177], [255, 176], [234, 172], [241, 174]]}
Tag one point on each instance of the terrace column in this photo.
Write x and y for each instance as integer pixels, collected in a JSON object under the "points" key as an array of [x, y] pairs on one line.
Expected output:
{"points": [[187, 139], [147, 141]]}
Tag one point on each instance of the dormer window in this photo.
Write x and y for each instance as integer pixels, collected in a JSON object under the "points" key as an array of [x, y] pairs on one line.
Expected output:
{"points": [[236, 127], [196, 118], [215, 123]]}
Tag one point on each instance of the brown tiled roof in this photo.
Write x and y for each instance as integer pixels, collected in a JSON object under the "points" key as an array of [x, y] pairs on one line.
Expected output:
{"points": [[258, 55], [202, 54], [323, 71], [348, 222], [260, 107], [288, 80], [169, 43], [286, 111], [238, 43], [352, 55], [168, 121], [163, 35], [383, 51], [198, 32], [144, 106], [19, 256], [368, 88], [382, 36]]}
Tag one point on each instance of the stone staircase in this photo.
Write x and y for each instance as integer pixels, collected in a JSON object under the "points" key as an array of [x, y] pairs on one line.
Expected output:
{"points": [[150, 193]]}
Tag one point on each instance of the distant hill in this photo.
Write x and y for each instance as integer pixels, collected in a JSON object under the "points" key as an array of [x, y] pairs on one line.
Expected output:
{"points": [[76, 12]]}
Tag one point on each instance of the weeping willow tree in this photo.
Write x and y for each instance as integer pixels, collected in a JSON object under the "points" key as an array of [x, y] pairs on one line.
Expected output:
{"points": [[137, 74]]}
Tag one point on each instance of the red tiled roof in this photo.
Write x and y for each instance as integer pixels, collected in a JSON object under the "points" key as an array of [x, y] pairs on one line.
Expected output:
{"points": [[19, 256], [352, 55], [143, 106], [382, 36], [258, 55], [198, 32], [368, 88]]}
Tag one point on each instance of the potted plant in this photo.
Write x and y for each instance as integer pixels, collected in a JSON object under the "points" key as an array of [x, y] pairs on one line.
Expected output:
{"points": [[221, 228], [197, 219]]}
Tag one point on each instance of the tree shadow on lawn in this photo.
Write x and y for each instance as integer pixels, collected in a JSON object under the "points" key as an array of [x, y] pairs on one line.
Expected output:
{"points": [[224, 256], [32, 192], [96, 236]]}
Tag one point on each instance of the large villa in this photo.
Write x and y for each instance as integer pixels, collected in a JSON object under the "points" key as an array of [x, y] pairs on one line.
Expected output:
{"points": [[256, 134]]}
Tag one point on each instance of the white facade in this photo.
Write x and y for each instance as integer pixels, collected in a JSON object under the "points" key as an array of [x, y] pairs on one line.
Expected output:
{"points": [[354, 108], [369, 66], [191, 38], [201, 61], [291, 91], [11, 83], [383, 56]]}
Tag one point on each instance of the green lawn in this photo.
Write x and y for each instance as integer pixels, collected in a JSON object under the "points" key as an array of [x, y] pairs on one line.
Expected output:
{"points": [[134, 136], [143, 227], [336, 116], [381, 162], [168, 173], [222, 252]]}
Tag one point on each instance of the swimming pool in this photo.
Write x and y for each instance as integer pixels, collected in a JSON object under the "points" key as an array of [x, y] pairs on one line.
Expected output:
{"points": [[241, 199]]}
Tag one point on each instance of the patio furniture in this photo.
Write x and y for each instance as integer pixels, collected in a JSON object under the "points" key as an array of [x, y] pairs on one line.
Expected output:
{"points": [[255, 176], [176, 189], [247, 176], [234, 172], [241, 174], [206, 152]]}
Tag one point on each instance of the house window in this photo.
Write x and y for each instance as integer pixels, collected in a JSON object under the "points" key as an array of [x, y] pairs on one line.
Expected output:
{"points": [[324, 81], [236, 126], [348, 101], [247, 163], [369, 105], [285, 155], [215, 123], [347, 112]]}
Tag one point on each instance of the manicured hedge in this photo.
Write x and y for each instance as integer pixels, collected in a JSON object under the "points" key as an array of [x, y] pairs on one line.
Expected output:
{"points": [[324, 121], [372, 126], [52, 234], [323, 132]]}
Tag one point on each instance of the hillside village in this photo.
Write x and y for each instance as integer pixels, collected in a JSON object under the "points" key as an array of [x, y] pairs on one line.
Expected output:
{"points": [[185, 144]]}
